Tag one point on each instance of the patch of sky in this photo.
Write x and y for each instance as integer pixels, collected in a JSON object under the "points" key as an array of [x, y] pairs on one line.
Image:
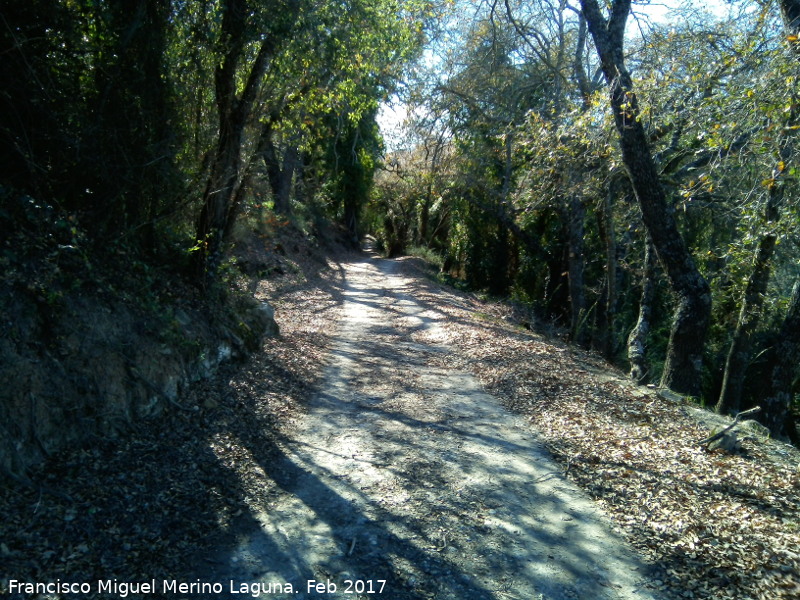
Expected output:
{"points": [[447, 38]]}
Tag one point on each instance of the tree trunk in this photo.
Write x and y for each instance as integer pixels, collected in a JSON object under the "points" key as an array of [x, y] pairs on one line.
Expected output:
{"points": [[683, 365], [576, 214], [753, 301], [776, 407], [132, 118], [219, 199], [425, 215], [280, 171], [637, 340], [606, 316], [749, 317], [221, 189]]}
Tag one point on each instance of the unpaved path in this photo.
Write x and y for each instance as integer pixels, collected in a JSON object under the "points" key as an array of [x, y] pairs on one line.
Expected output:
{"points": [[408, 473]]}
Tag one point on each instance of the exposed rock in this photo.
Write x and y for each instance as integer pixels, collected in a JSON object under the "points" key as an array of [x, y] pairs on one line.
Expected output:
{"points": [[89, 365], [728, 442]]}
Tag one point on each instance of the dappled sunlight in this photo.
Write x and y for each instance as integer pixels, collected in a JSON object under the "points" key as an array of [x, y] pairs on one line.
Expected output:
{"points": [[689, 511], [404, 469]]}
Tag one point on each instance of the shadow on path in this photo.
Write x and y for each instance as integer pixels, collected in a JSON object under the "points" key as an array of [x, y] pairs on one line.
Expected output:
{"points": [[408, 473]]}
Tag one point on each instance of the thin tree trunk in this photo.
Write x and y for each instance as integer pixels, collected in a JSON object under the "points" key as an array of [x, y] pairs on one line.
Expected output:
{"points": [[281, 181], [749, 317], [776, 407], [269, 154], [433, 157], [752, 304], [217, 215], [425, 215], [221, 189], [576, 214], [637, 340], [683, 365], [579, 67], [606, 316]]}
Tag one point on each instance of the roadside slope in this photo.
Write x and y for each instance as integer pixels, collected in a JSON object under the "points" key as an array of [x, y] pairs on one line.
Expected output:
{"points": [[714, 524]]}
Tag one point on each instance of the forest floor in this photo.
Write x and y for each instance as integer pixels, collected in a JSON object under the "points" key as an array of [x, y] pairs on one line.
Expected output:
{"points": [[399, 430]]}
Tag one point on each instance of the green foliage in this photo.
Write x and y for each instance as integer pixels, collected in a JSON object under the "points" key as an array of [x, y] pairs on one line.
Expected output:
{"points": [[119, 111], [431, 257], [87, 120], [510, 131], [117, 121]]}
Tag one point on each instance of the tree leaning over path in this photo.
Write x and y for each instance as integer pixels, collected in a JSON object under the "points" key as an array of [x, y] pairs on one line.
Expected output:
{"points": [[683, 366]]}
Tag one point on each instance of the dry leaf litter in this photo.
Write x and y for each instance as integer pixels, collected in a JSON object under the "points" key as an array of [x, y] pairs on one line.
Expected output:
{"points": [[715, 525]]}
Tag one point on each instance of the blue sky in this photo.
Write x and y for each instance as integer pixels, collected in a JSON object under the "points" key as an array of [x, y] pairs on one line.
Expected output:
{"points": [[392, 114]]}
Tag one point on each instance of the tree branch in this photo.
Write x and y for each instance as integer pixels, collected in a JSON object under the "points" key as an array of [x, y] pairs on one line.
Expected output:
{"points": [[721, 434]]}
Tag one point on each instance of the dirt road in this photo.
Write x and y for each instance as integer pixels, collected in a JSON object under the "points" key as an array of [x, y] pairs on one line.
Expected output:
{"points": [[407, 481]]}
